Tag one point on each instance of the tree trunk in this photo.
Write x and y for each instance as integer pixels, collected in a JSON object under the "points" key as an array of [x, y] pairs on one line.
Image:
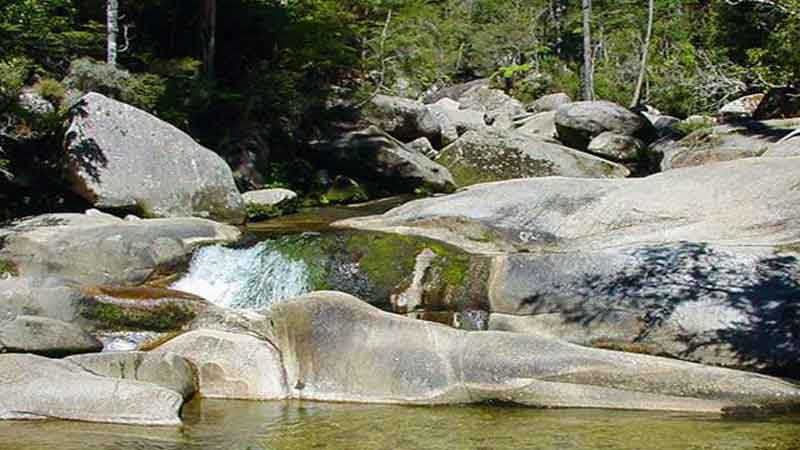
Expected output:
{"points": [[588, 64], [209, 36], [112, 24], [637, 95], [557, 8]]}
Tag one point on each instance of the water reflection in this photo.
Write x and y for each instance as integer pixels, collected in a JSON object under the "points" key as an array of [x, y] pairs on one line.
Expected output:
{"points": [[237, 425]]}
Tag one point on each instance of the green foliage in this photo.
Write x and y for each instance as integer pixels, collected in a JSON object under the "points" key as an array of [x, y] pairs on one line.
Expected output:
{"points": [[687, 128], [165, 317], [8, 268], [87, 75], [51, 90], [13, 73]]}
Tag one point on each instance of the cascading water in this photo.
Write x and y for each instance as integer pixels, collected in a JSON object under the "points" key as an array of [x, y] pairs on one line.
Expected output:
{"points": [[252, 278]]}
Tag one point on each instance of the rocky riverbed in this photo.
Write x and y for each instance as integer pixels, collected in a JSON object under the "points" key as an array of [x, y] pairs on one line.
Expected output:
{"points": [[560, 283]]}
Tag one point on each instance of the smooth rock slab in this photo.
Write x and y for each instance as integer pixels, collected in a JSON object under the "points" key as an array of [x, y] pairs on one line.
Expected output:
{"points": [[165, 369], [727, 143], [44, 336], [231, 366], [747, 202], [269, 197], [97, 248], [120, 157], [33, 387], [393, 359]]}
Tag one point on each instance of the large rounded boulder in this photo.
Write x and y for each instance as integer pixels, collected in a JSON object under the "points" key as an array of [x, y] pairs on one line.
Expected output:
{"points": [[578, 123], [122, 158], [479, 157]]}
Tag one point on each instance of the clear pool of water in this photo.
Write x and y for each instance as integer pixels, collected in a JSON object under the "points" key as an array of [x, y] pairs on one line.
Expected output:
{"points": [[238, 425]]}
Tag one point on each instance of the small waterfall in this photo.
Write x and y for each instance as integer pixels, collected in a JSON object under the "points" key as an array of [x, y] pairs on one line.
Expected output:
{"points": [[252, 278]]}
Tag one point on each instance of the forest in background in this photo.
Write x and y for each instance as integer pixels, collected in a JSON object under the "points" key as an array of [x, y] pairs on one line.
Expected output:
{"points": [[278, 69]]}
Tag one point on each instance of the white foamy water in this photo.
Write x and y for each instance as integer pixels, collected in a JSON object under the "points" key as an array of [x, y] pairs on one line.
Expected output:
{"points": [[252, 278]]}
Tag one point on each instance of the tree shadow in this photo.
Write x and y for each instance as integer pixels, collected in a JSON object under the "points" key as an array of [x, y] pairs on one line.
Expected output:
{"points": [[750, 127], [750, 306], [83, 151]]}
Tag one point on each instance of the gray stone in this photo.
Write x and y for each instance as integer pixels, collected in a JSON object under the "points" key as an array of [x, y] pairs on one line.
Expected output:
{"points": [[616, 146], [714, 304], [232, 366], [403, 119], [707, 273], [726, 143], [44, 336], [165, 369], [372, 154], [745, 202], [578, 123], [100, 248], [392, 359], [269, 197], [48, 297], [123, 158], [455, 92], [455, 121], [34, 103], [33, 387], [498, 108], [502, 155], [542, 125], [785, 148], [550, 102], [423, 147]]}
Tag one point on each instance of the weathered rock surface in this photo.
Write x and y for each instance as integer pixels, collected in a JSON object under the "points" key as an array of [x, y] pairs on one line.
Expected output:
{"points": [[707, 273], [233, 366], [502, 155], [33, 387], [726, 143], [164, 369], [269, 197], [34, 103], [100, 248], [542, 125], [550, 102], [455, 92], [123, 158], [455, 121], [403, 119], [749, 201], [578, 123], [784, 148], [44, 336], [741, 108], [617, 147], [422, 146], [372, 154], [498, 108], [40, 297], [392, 359]]}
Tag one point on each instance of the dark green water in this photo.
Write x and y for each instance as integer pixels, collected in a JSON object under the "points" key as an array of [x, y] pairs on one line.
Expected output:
{"points": [[235, 425]]}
